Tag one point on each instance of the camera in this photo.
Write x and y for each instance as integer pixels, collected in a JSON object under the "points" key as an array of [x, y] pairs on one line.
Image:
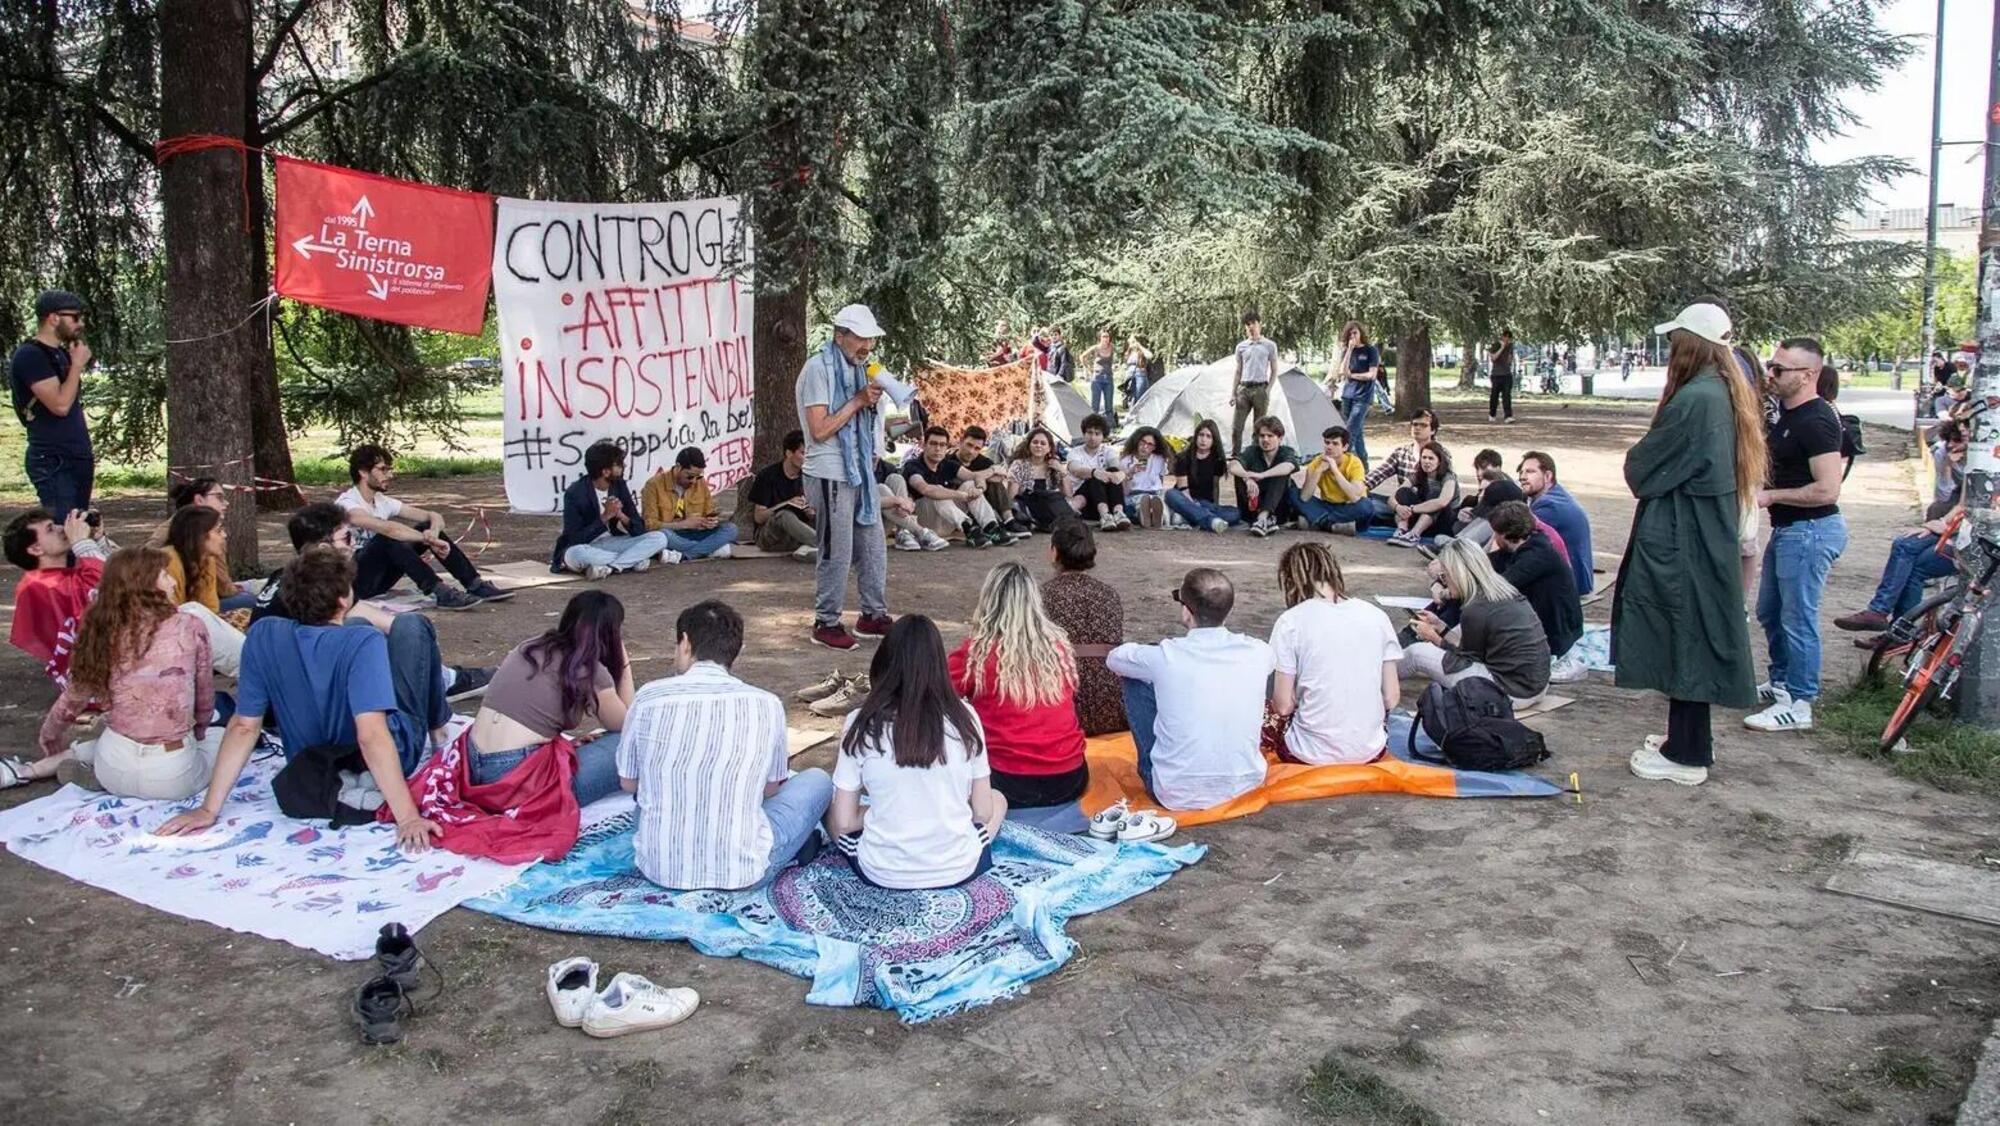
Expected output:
{"points": [[93, 518]]}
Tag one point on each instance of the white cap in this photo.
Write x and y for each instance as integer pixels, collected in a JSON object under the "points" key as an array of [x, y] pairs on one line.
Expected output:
{"points": [[858, 320], [1704, 320]]}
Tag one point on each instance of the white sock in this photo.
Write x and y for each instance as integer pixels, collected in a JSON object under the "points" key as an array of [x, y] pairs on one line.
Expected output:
{"points": [[450, 677]]}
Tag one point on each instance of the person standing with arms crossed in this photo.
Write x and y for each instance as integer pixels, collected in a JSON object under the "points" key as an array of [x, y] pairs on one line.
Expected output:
{"points": [[45, 377], [837, 410], [1256, 363]]}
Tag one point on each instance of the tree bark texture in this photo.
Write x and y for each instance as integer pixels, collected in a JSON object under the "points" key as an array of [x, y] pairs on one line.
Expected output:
{"points": [[1413, 370], [779, 340], [1468, 363], [269, 440], [211, 253]]}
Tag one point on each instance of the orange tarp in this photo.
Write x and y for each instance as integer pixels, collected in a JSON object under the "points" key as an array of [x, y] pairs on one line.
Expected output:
{"points": [[1114, 774]]}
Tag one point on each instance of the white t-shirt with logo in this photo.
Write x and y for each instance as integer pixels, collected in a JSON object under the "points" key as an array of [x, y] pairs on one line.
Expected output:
{"points": [[1085, 462], [920, 832], [385, 508], [1336, 651]]}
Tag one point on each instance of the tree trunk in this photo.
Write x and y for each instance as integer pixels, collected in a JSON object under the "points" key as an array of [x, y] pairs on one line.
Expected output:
{"points": [[269, 441], [779, 340], [210, 253], [1413, 370], [1468, 363]]}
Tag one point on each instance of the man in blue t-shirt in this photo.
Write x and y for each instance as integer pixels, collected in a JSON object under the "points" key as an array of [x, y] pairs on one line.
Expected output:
{"points": [[45, 378], [337, 696], [1559, 510]]}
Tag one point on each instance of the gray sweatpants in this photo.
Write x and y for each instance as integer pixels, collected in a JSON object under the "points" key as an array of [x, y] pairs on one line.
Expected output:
{"points": [[843, 544]]}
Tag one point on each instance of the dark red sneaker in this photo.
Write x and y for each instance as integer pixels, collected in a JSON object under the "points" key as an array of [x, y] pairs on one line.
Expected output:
{"points": [[833, 637], [873, 625]]}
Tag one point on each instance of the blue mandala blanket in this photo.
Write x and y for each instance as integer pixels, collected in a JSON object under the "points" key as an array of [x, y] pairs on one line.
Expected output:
{"points": [[925, 954]]}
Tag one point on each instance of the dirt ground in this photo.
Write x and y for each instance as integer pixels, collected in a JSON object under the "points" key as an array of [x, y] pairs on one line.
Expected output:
{"points": [[1473, 955]]}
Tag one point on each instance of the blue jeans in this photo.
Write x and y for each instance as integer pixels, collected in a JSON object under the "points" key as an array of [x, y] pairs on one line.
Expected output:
{"points": [[62, 481], [1795, 566], [1913, 560], [241, 600], [700, 545], [795, 812], [619, 553], [1354, 411], [1132, 504], [1138, 377], [596, 767], [1322, 514], [1102, 393], [1200, 512], [417, 672], [1142, 707]]}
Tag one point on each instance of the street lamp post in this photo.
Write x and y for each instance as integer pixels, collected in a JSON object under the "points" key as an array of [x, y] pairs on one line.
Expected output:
{"points": [[1979, 702]]}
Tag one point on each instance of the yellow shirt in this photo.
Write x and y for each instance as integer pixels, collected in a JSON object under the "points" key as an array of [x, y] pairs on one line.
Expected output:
{"points": [[660, 503], [209, 588], [1350, 467]]}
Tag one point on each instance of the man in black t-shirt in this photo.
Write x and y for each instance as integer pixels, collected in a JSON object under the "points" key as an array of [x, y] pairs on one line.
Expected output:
{"points": [[948, 499], [45, 378], [778, 498], [994, 483], [1807, 533]]}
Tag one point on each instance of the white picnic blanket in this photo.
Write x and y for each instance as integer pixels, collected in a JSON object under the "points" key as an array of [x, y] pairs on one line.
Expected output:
{"points": [[256, 870]]}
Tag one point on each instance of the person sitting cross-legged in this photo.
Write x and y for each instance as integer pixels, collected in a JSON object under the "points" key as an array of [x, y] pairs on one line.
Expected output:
{"points": [[705, 755], [548, 687], [779, 509], [63, 564], [1093, 615], [1332, 494], [339, 696], [1522, 553], [1498, 636], [1199, 471], [391, 539], [947, 497], [1040, 481], [603, 531], [1018, 670], [677, 504], [148, 668], [1263, 475], [918, 752], [1097, 478], [1337, 660], [1196, 703]]}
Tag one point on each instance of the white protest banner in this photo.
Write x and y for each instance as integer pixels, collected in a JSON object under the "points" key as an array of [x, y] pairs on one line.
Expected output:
{"points": [[622, 321]]}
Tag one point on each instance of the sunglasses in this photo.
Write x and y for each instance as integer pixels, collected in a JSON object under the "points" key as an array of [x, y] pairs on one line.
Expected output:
{"points": [[1776, 368]]}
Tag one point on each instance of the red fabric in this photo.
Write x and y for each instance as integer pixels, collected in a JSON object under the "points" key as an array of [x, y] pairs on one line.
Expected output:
{"points": [[530, 814], [48, 604], [1021, 739], [413, 254], [1555, 537]]}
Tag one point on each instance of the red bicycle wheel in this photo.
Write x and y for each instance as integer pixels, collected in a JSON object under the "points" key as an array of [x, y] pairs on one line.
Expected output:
{"points": [[1922, 687]]}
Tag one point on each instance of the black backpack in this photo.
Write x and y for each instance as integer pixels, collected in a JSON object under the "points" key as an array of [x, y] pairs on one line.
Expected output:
{"points": [[1472, 723]]}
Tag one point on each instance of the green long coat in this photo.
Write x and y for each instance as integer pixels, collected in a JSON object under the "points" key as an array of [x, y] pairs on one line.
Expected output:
{"points": [[1677, 618]]}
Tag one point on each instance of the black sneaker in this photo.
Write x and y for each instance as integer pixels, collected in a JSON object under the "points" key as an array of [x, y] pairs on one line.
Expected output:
{"points": [[973, 536], [449, 597], [1019, 528], [379, 1009], [470, 681], [406, 965], [996, 536], [487, 592]]}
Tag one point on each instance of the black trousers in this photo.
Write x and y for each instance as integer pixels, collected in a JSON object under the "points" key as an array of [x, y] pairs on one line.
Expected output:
{"points": [[1042, 508], [1502, 391], [378, 566], [1096, 492], [1690, 742], [1442, 521]]}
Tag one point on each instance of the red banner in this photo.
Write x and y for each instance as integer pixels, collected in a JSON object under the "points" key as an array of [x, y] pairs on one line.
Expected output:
{"points": [[382, 248]]}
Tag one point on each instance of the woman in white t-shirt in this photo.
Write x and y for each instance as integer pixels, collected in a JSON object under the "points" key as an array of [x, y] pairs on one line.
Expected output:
{"points": [[1336, 665], [1145, 465], [917, 750]]}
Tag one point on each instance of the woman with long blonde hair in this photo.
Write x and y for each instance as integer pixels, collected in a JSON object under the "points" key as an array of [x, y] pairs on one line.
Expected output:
{"points": [[1018, 671], [1677, 619], [1498, 636], [147, 667]]}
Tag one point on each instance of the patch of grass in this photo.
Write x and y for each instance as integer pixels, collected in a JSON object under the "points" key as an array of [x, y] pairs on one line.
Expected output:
{"points": [[1336, 1090], [1944, 753], [1908, 1071], [1834, 847]]}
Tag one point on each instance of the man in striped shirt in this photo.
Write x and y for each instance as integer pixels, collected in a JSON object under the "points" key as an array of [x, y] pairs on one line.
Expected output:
{"points": [[705, 753]]}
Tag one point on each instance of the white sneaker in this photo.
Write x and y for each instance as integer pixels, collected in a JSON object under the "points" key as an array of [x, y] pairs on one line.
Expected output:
{"points": [[641, 567], [726, 551], [596, 572], [1568, 670], [810, 554], [1142, 827], [1218, 525], [1107, 523], [633, 1004], [905, 541], [1790, 715], [931, 541], [669, 556], [572, 986], [842, 700], [1647, 762], [1768, 693], [1105, 823]]}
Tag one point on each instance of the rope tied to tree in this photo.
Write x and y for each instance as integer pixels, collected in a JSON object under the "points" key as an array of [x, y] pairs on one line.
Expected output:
{"points": [[167, 148]]}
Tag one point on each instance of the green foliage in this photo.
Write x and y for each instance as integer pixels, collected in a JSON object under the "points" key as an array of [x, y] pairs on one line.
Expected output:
{"points": [[1944, 753], [1896, 331]]}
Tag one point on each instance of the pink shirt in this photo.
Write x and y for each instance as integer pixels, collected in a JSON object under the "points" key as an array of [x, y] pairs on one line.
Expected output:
{"points": [[165, 695]]}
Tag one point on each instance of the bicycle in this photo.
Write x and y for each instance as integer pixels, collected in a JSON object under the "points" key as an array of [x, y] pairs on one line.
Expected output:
{"points": [[1932, 641]]}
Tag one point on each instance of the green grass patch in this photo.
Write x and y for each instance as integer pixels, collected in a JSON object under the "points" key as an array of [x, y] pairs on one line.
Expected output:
{"points": [[1907, 1071], [1337, 1090], [1943, 753]]}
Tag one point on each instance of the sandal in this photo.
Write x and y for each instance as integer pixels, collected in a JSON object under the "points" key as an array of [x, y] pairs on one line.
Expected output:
{"points": [[14, 772]]}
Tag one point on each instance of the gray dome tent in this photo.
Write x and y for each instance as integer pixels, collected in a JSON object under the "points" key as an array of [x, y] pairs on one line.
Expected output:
{"points": [[1187, 395]]}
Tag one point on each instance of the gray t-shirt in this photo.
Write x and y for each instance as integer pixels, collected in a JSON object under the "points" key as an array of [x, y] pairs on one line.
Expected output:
{"points": [[817, 387], [1260, 359]]}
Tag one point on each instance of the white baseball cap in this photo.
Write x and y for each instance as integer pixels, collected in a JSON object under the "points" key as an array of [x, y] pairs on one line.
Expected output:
{"points": [[858, 320], [1704, 320]]}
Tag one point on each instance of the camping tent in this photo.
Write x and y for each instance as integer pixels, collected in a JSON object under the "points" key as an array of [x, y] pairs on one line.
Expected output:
{"points": [[1187, 395], [1063, 410]]}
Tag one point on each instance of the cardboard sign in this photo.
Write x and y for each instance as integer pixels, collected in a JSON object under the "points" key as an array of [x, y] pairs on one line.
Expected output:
{"points": [[382, 248], [627, 322]]}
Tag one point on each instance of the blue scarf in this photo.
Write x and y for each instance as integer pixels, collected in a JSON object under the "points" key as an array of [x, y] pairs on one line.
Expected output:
{"points": [[857, 438]]}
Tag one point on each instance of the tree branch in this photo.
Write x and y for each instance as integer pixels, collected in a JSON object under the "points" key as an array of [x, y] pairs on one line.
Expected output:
{"points": [[285, 24], [126, 135], [276, 131]]}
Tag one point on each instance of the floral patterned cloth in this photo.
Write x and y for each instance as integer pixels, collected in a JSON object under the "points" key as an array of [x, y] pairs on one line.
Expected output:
{"points": [[1093, 615], [956, 398]]}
